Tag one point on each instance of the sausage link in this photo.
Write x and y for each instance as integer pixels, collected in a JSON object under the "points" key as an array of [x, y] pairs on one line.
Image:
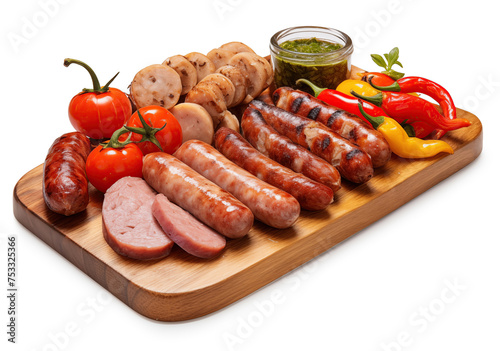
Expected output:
{"points": [[342, 122], [203, 199], [269, 204], [282, 150], [65, 186], [311, 195], [353, 163]]}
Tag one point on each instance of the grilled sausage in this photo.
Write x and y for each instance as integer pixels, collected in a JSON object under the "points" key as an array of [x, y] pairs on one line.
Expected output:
{"points": [[311, 195], [344, 123], [65, 186], [269, 204], [282, 150], [188, 189], [353, 163]]}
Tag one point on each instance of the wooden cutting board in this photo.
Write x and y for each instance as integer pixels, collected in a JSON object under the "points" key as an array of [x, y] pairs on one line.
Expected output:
{"points": [[182, 287]]}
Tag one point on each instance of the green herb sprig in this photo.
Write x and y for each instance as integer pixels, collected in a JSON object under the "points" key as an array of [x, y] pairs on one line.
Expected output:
{"points": [[392, 59]]}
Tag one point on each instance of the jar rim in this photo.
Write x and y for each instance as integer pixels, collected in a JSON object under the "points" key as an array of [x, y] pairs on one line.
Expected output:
{"points": [[346, 49]]}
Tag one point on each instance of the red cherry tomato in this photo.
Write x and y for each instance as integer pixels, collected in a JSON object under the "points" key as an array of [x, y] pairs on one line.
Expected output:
{"points": [[105, 166], [98, 115], [170, 137], [99, 111]]}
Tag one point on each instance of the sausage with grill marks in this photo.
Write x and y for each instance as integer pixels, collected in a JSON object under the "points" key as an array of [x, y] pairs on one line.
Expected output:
{"points": [[311, 195], [188, 189], [353, 163], [269, 204], [282, 150], [342, 122]]}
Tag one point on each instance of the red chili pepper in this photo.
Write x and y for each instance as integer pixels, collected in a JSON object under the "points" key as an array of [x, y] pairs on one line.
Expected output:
{"points": [[343, 101], [413, 108], [377, 78], [423, 86]]}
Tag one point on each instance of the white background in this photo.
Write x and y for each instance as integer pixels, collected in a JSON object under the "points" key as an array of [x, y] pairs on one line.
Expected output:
{"points": [[369, 292]]}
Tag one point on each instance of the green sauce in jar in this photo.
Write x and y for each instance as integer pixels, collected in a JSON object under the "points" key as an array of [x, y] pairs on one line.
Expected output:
{"points": [[305, 52], [311, 46]]}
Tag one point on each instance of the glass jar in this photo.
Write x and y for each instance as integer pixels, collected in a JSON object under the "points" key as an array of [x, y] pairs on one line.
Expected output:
{"points": [[325, 69]]}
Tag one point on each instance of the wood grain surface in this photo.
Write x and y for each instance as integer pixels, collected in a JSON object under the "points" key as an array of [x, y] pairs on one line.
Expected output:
{"points": [[182, 287]]}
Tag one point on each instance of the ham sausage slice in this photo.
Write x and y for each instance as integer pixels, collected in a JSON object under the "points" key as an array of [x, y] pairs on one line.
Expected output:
{"points": [[128, 224], [186, 231]]}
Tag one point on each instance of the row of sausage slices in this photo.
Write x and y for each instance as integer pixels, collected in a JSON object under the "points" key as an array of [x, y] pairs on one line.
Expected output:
{"points": [[200, 89]]}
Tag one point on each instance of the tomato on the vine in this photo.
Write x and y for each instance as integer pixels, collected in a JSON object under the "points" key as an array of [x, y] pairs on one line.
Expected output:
{"points": [[99, 111], [106, 165], [169, 137]]}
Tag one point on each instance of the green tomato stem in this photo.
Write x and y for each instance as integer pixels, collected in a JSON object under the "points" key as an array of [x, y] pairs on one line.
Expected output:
{"points": [[95, 82]]}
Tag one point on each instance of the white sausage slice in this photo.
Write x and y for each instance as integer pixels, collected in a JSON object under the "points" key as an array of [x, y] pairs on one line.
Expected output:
{"points": [[239, 81], [220, 57], [225, 85], [195, 121], [156, 85], [185, 70], [254, 71], [236, 47], [229, 121], [211, 98], [201, 63]]}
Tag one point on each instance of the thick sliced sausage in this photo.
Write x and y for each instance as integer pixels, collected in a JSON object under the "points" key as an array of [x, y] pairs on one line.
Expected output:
{"points": [[230, 121], [255, 70], [269, 204], [65, 186], [128, 224], [224, 84], [211, 98], [220, 57], [311, 195], [185, 230], [282, 150], [195, 121], [236, 47], [202, 64], [188, 189], [239, 81], [353, 163], [156, 85], [341, 122], [185, 70]]}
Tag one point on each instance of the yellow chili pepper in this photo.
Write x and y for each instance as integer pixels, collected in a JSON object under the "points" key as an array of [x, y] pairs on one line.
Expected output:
{"points": [[358, 86], [400, 143]]}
